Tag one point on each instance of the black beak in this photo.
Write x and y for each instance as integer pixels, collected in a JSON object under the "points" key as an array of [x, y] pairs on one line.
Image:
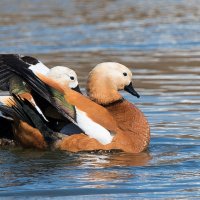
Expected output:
{"points": [[129, 88], [77, 89]]}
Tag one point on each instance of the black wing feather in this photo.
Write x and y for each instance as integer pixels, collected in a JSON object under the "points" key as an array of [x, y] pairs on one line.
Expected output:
{"points": [[19, 67], [26, 112], [14, 64]]}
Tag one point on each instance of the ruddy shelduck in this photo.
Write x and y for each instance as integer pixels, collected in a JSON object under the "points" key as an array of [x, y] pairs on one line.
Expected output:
{"points": [[103, 84], [101, 129]]}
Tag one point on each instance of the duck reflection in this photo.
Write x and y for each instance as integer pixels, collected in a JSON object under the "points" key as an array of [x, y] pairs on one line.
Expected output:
{"points": [[112, 167], [113, 159]]}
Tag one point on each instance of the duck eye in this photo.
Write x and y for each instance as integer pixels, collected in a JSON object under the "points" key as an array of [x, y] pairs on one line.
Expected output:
{"points": [[125, 74], [71, 77]]}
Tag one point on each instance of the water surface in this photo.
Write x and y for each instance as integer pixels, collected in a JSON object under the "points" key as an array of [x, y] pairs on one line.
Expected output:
{"points": [[160, 42]]}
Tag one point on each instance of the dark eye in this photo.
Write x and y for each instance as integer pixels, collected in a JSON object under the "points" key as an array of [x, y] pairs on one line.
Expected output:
{"points": [[71, 77], [125, 74]]}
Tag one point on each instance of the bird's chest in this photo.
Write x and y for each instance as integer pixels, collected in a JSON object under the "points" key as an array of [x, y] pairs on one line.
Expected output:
{"points": [[123, 114]]}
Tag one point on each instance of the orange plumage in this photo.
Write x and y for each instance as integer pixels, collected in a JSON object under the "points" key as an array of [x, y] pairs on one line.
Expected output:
{"points": [[28, 136], [129, 125]]}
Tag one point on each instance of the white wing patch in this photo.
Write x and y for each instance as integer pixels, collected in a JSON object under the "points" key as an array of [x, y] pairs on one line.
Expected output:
{"points": [[92, 129], [39, 67]]}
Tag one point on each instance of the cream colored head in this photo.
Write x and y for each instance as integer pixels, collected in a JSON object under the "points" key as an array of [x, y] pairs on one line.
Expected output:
{"points": [[117, 74], [106, 79], [64, 76]]}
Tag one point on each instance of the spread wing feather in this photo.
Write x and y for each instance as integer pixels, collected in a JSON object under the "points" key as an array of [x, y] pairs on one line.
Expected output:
{"points": [[16, 65]]}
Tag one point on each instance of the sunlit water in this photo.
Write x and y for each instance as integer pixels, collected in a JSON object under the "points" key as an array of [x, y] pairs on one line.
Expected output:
{"points": [[160, 42]]}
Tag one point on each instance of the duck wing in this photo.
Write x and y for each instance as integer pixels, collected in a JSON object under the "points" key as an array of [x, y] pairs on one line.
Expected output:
{"points": [[16, 65]]}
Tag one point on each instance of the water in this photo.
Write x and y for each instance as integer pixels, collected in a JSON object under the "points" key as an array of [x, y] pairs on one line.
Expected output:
{"points": [[160, 42]]}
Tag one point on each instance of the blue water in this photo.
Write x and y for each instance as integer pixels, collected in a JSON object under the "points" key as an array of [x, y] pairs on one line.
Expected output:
{"points": [[160, 42]]}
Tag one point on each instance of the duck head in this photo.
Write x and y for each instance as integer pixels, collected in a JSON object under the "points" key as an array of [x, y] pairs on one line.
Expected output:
{"points": [[64, 76], [106, 79]]}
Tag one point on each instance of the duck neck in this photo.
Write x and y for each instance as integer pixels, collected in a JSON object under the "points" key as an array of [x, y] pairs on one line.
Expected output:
{"points": [[102, 91]]}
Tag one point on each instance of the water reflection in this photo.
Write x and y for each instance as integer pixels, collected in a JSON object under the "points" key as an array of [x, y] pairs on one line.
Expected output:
{"points": [[116, 159]]}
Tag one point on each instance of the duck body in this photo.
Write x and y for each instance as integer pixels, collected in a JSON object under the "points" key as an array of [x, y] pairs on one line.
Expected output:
{"points": [[133, 124], [133, 135]]}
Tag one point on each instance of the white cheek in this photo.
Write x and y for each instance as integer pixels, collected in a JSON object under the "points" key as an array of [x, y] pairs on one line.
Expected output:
{"points": [[92, 129], [39, 67], [73, 84]]}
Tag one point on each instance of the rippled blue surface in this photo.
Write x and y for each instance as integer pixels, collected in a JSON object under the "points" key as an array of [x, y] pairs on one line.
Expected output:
{"points": [[160, 42]]}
